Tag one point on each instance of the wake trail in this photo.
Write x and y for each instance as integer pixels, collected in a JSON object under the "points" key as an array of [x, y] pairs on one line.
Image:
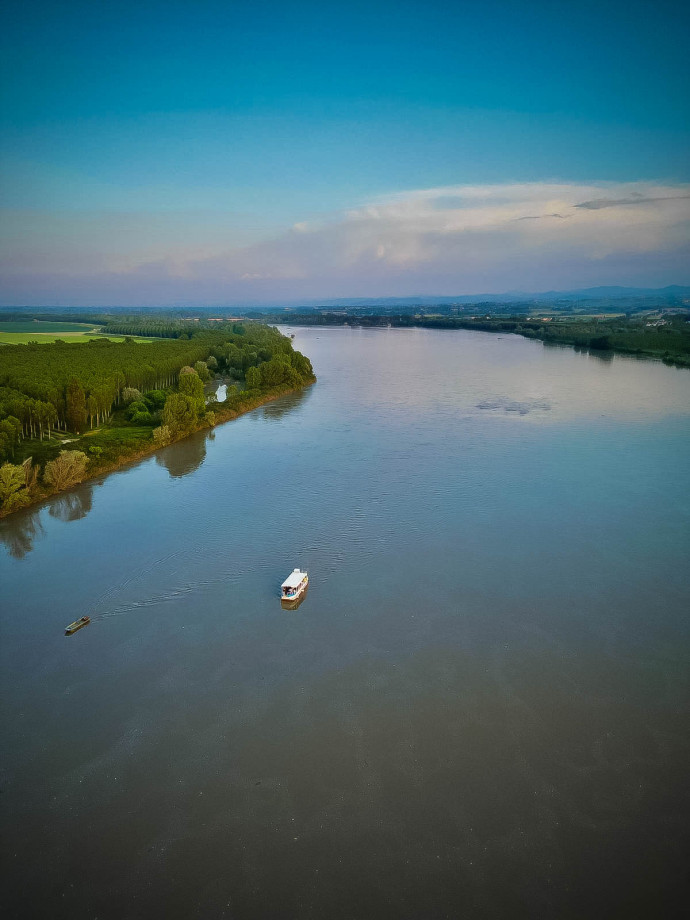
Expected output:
{"points": [[108, 598]]}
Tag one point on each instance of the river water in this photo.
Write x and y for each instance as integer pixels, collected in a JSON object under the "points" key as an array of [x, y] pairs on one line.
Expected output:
{"points": [[480, 709]]}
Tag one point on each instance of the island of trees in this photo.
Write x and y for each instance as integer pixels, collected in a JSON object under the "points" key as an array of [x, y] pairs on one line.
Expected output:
{"points": [[74, 410]]}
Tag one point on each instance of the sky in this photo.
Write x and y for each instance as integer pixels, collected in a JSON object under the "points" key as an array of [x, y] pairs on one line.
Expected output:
{"points": [[227, 153]]}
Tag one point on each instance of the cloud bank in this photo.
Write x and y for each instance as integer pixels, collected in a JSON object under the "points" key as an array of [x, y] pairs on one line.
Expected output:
{"points": [[449, 240]]}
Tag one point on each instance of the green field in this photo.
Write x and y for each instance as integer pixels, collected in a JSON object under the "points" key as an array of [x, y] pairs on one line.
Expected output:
{"points": [[40, 326], [20, 332], [22, 338]]}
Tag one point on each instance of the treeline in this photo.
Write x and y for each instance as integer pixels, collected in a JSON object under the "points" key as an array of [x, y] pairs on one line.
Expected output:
{"points": [[74, 386], [53, 316], [67, 385], [167, 327], [667, 338]]}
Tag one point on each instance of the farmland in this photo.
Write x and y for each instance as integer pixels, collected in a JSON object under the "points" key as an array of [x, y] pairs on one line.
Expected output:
{"points": [[22, 332]]}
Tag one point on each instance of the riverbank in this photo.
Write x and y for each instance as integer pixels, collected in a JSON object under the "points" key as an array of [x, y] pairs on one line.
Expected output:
{"points": [[236, 405], [666, 339]]}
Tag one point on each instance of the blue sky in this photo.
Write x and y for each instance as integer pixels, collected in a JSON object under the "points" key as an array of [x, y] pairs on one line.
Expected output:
{"points": [[236, 152]]}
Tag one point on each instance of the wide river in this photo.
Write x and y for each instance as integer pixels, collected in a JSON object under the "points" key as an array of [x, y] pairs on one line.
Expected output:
{"points": [[479, 711]]}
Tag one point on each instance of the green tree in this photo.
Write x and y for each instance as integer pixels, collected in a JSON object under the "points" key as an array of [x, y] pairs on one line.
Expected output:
{"points": [[179, 413], [272, 372], [13, 491], [45, 416], [10, 433], [600, 342], [190, 385], [76, 406], [302, 365], [91, 409], [253, 378], [201, 367]]}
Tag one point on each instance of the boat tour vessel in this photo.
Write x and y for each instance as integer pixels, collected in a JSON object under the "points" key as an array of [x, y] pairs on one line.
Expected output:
{"points": [[294, 586], [78, 624]]}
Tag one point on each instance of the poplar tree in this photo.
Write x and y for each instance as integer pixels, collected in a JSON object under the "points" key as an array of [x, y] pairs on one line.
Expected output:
{"points": [[76, 406]]}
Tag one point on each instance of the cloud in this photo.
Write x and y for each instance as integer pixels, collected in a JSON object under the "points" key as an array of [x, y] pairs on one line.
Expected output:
{"points": [[600, 203], [478, 230], [453, 239], [543, 217]]}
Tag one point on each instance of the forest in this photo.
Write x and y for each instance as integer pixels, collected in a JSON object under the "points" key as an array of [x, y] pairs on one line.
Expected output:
{"points": [[112, 401]]}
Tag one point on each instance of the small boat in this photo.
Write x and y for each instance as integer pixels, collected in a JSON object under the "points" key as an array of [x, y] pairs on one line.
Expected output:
{"points": [[294, 585], [78, 624]]}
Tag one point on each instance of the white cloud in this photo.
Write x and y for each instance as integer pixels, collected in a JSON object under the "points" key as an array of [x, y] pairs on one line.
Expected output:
{"points": [[474, 232], [453, 239]]}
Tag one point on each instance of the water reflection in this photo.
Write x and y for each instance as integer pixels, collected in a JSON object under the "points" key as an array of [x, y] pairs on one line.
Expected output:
{"points": [[72, 506], [276, 410], [185, 456], [219, 389], [504, 689], [293, 605], [18, 532], [606, 356]]}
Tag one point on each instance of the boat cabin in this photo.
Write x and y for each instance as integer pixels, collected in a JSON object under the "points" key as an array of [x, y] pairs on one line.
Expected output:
{"points": [[294, 584]]}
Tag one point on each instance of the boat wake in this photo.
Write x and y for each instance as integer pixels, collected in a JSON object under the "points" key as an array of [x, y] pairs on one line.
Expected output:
{"points": [[106, 605]]}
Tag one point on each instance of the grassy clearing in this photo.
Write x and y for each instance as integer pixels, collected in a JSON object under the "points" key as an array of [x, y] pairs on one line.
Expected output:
{"points": [[110, 440]]}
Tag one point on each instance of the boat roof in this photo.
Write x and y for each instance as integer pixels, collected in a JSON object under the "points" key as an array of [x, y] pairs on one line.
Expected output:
{"points": [[294, 579]]}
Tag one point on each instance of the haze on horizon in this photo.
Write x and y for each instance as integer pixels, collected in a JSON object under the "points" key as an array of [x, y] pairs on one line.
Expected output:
{"points": [[220, 153]]}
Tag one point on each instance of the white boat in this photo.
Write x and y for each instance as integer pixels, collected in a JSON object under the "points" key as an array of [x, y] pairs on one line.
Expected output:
{"points": [[294, 585]]}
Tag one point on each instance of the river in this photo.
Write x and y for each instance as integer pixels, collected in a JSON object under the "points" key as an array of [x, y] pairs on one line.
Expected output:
{"points": [[478, 711]]}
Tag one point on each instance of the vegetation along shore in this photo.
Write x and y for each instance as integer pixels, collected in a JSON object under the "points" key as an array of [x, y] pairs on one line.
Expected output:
{"points": [[665, 336], [71, 411]]}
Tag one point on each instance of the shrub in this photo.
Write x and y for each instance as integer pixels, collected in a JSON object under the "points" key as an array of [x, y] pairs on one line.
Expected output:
{"points": [[13, 491], [68, 469], [141, 417], [162, 435], [155, 399], [135, 407], [129, 395]]}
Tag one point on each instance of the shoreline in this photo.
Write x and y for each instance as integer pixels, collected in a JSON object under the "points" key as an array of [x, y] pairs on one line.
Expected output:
{"points": [[541, 334], [223, 415]]}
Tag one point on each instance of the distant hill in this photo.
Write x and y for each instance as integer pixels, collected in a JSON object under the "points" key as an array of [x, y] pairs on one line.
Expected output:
{"points": [[670, 292], [613, 297]]}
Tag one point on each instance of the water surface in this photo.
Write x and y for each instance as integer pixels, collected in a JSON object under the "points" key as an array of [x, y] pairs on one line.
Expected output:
{"points": [[480, 709]]}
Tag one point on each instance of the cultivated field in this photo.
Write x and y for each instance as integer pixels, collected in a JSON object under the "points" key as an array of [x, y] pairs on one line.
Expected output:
{"points": [[22, 332]]}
